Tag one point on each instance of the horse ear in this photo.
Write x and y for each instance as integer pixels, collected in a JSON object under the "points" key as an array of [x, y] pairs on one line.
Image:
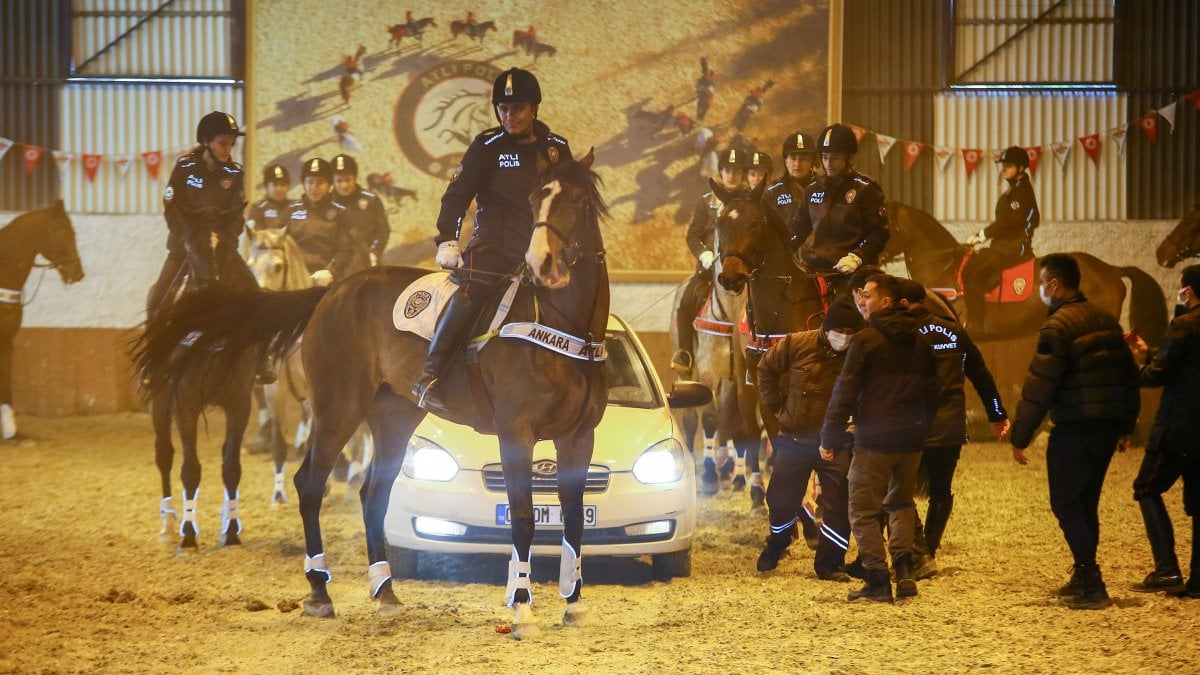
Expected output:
{"points": [[757, 193], [587, 160], [719, 190]]}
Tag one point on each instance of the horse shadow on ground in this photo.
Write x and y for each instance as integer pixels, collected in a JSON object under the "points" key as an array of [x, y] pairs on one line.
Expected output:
{"points": [[493, 569], [656, 187], [300, 109]]}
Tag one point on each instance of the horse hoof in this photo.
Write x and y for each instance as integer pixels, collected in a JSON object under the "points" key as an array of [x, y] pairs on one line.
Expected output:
{"points": [[738, 484], [320, 609], [230, 539], [524, 625], [709, 486], [389, 609], [577, 615]]}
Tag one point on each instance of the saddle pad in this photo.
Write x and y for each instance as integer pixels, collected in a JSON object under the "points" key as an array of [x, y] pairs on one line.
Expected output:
{"points": [[759, 342], [419, 306], [1016, 284], [711, 326]]}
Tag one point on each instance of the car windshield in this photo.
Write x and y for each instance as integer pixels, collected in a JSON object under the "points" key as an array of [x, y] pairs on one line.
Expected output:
{"points": [[629, 382]]}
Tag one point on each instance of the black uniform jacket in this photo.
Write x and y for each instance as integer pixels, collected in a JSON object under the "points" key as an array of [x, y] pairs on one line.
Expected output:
{"points": [[956, 359], [1017, 216], [703, 227], [269, 214], [795, 381], [499, 174], [888, 384], [367, 219], [844, 214], [1176, 368], [784, 196], [1083, 374], [197, 197], [321, 232]]}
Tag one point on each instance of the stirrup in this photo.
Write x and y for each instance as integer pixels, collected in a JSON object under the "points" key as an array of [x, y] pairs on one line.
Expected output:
{"points": [[422, 389], [682, 359]]}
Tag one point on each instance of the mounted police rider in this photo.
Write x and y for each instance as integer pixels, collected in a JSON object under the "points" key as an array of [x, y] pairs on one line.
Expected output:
{"points": [[365, 214], [731, 170], [1011, 234], [759, 168], [785, 195], [318, 225], [499, 171], [270, 213], [843, 223]]}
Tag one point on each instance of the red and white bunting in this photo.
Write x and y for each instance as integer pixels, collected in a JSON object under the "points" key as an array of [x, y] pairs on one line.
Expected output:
{"points": [[1118, 135], [1149, 125], [912, 151], [5, 144], [1091, 145], [1062, 152], [63, 160], [31, 154], [1035, 154], [123, 162], [1168, 114], [971, 157], [885, 144], [91, 164], [1194, 97], [944, 155], [859, 132], [153, 160]]}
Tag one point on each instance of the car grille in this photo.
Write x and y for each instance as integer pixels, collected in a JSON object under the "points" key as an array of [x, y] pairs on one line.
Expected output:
{"points": [[597, 480]]}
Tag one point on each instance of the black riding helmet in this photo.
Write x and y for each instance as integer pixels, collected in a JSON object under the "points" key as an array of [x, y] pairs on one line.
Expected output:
{"points": [[760, 160], [838, 138], [798, 142], [1015, 155], [214, 124], [275, 173], [733, 157], [345, 164], [516, 85], [317, 167]]}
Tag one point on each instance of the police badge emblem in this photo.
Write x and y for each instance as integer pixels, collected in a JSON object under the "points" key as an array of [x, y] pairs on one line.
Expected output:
{"points": [[1015, 204], [850, 195], [363, 203], [169, 193], [417, 302], [331, 214], [226, 183], [1019, 284], [552, 153], [456, 174]]}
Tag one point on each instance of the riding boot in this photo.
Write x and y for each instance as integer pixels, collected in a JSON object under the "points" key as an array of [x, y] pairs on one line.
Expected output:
{"points": [[878, 587], [1192, 588], [1093, 594], [935, 522], [451, 332], [1166, 575], [689, 304], [776, 546], [906, 586]]}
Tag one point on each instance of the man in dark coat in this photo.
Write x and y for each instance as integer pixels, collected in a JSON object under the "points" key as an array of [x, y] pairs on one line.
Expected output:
{"points": [[1084, 376]]}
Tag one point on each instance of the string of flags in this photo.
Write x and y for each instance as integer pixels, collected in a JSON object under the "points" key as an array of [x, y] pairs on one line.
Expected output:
{"points": [[91, 162], [1061, 150]]}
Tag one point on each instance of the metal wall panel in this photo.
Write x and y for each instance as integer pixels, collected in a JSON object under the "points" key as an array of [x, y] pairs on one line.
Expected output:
{"points": [[118, 120], [1074, 43], [191, 38], [1080, 190]]}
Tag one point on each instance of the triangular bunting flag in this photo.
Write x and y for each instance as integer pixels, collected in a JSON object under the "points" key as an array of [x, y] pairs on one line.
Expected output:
{"points": [[153, 160], [1194, 97], [63, 160], [5, 144], [1035, 153], [1168, 113], [859, 132], [31, 154], [971, 157], [1091, 145], [1118, 135], [1149, 125], [912, 150], [123, 162], [1061, 152], [91, 163], [885, 144], [944, 155]]}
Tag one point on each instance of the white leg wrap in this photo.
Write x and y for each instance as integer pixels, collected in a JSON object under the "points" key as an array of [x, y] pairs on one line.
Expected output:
{"points": [[378, 573], [190, 515], [570, 570], [264, 416], [756, 479], [8, 421], [167, 514], [710, 447], [739, 465], [279, 494], [518, 578], [316, 563], [229, 513]]}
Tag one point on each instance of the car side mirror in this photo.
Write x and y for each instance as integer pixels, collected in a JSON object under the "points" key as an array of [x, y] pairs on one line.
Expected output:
{"points": [[688, 394]]}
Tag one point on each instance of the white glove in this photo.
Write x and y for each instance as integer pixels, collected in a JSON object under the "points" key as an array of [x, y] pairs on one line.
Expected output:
{"points": [[706, 259], [976, 239], [848, 263], [322, 277], [448, 255], [374, 259]]}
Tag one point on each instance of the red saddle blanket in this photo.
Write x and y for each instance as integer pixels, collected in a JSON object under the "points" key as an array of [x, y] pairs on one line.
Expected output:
{"points": [[1016, 283]]}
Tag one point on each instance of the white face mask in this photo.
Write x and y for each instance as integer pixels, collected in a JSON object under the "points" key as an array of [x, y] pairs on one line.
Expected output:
{"points": [[1046, 299], [839, 341]]}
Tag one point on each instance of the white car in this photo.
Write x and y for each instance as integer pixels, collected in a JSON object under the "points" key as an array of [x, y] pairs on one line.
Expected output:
{"points": [[640, 497]]}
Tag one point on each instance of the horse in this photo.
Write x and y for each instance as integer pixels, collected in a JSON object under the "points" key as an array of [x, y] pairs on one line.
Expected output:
{"points": [[384, 185], [414, 30], [475, 31], [540, 49], [934, 258], [361, 368], [208, 380], [46, 232], [1182, 243]]}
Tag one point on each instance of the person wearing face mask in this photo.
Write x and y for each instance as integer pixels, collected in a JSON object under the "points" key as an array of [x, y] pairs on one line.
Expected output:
{"points": [[1173, 451], [795, 380], [1085, 377]]}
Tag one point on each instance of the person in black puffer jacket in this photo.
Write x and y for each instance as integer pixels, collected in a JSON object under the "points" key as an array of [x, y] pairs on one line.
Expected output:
{"points": [[795, 381], [1084, 376]]}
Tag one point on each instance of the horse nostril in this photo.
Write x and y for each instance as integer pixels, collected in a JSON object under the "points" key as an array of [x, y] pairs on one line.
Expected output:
{"points": [[547, 265]]}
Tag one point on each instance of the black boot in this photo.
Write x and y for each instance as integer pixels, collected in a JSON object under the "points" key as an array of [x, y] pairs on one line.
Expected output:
{"points": [[451, 332], [685, 328], [1093, 595], [811, 535], [935, 522], [856, 570], [776, 546], [878, 588], [906, 586], [1166, 575], [1075, 585], [1192, 588]]}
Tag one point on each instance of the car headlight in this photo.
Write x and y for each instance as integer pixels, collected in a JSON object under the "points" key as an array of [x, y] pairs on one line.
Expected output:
{"points": [[660, 463], [426, 460]]}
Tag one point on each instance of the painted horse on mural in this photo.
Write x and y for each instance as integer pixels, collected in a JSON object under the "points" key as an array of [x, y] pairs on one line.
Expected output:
{"points": [[1182, 242], [935, 258], [414, 29], [475, 31], [46, 232], [360, 367]]}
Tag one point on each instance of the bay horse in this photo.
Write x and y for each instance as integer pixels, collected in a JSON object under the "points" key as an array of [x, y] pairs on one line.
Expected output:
{"points": [[360, 368], [476, 31], [1182, 242], [46, 232], [934, 257], [416, 30], [208, 379]]}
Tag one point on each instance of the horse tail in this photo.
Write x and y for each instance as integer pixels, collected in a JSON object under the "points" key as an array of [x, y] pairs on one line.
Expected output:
{"points": [[216, 326], [1147, 305]]}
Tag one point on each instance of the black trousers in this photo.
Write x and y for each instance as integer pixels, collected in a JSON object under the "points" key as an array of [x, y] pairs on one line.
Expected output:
{"points": [[1159, 472], [1077, 460], [794, 463], [938, 464], [689, 305]]}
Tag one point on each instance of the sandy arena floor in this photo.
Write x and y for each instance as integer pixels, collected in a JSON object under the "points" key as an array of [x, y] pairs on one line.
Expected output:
{"points": [[89, 586]]}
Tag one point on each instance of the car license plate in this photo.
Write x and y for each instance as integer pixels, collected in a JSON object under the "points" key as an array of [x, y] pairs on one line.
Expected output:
{"points": [[549, 515]]}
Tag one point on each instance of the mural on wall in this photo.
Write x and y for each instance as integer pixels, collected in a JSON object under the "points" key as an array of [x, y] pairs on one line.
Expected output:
{"points": [[654, 88]]}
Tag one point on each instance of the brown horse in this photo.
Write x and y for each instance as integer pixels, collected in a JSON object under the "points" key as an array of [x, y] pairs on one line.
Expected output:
{"points": [[1182, 243], [415, 30], [46, 232], [475, 31], [934, 256], [360, 368]]}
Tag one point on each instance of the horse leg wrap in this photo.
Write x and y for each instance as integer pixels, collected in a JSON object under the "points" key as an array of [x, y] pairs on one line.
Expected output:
{"points": [[378, 573], [710, 450], [279, 494], [8, 422], [229, 513], [316, 564], [757, 479], [167, 513], [739, 464], [190, 516], [570, 570], [518, 578]]}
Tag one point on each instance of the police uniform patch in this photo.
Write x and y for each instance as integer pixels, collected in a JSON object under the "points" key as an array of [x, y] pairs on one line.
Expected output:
{"points": [[363, 203], [226, 183], [850, 195], [1019, 284], [456, 174], [331, 214], [417, 302], [169, 193], [552, 153], [1015, 205]]}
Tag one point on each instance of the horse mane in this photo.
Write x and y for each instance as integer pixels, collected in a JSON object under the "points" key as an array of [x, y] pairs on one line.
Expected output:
{"points": [[297, 272], [925, 224], [575, 173]]}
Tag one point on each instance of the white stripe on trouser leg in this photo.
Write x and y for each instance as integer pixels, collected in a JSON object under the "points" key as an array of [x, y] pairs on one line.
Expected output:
{"points": [[189, 513], [378, 573], [570, 570], [229, 512], [777, 529], [518, 578], [833, 536], [316, 563]]}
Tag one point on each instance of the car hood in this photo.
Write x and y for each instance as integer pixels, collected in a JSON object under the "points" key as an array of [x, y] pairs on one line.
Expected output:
{"points": [[621, 437]]}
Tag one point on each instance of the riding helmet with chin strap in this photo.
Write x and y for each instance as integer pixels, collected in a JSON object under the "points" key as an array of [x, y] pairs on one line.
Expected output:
{"points": [[276, 173], [345, 164], [733, 157], [214, 124], [516, 85], [317, 168], [798, 142], [838, 138], [1015, 155], [760, 160]]}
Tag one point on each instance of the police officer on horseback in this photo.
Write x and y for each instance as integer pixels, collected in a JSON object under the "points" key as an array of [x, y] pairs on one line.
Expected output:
{"points": [[499, 171], [759, 168], [731, 171], [1011, 233], [318, 225], [785, 195], [843, 223], [270, 213], [365, 215]]}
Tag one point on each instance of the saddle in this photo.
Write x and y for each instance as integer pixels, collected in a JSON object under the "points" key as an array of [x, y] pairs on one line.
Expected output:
{"points": [[1016, 282]]}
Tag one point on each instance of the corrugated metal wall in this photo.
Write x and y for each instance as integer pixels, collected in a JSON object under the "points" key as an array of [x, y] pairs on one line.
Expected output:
{"points": [[1072, 43], [190, 38], [116, 120], [1080, 190]]}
